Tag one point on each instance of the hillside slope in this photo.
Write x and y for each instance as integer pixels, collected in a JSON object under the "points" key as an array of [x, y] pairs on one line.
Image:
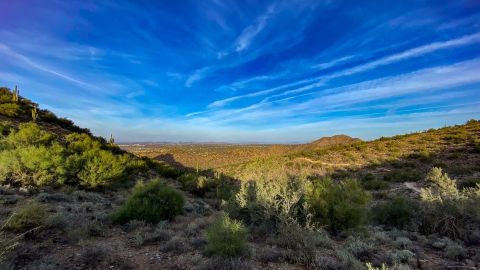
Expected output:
{"points": [[404, 157], [67, 203], [211, 156]]}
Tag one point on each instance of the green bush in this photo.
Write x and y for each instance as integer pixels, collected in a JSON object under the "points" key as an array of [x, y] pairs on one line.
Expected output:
{"points": [[403, 175], [370, 182], [195, 184], [397, 212], [163, 169], [34, 165], [29, 134], [5, 128], [226, 237], [150, 202], [101, 168], [339, 206], [30, 158], [81, 142], [10, 109], [92, 165]]}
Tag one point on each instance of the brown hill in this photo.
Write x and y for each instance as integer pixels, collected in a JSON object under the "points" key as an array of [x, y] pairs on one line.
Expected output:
{"points": [[333, 140]]}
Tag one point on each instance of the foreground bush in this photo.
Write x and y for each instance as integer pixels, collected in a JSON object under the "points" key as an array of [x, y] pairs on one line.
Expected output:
{"points": [[339, 206], [302, 243], [267, 204], [32, 156], [195, 184], [150, 202], [101, 168], [226, 237], [29, 134], [448, 211], [10, 109], [34, 165], [397, 212]]}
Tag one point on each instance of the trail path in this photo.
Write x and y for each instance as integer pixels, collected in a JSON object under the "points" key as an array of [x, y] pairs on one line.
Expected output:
{"points": [[327, 163], [413, 186]]}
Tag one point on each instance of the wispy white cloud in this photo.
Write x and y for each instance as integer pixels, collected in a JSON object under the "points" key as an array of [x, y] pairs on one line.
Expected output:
{"points": [[426, 80], [320, 80], [248, 34], [196, 76], [9, 52]]}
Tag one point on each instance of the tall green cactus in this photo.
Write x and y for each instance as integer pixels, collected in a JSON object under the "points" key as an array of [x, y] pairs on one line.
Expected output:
{"points": [[111, 141], [34, 113], [16, 94]]}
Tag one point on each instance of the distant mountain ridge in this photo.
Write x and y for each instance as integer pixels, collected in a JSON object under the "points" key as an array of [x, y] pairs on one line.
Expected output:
{"points": [[334, 140]]}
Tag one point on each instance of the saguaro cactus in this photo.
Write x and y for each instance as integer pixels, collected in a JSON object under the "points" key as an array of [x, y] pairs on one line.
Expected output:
{"points": [[16, 94], [111, 141], [34, 113]]}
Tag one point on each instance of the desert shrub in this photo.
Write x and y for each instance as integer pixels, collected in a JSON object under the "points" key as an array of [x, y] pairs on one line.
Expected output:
{"points": [[177, 245], [10, 109], [27, 217], [348, 260], [448, 211], [225, 189], [151, 202], [475, 142], [401, 256], [196, 184], [226, 237], [301, 242], [29, 134], [455, 251], [5, 128], [370, 182], [93, 166], [444, 187], [359, 248], [163, 169], [80, 142], [403, 175], [339, 206], [101, 168], [397, 212], [403, 242], [34, 165], [266, 204]]}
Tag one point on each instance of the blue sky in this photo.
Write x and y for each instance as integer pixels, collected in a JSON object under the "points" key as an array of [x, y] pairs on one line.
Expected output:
{"points": [[246, 71]]}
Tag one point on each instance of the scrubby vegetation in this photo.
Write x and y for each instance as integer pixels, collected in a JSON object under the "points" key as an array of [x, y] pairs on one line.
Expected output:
{"points": [[226, 237], [447, 210], [32, 156], [339, 206], [397, 212], [150, 202], [66, 199]]}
